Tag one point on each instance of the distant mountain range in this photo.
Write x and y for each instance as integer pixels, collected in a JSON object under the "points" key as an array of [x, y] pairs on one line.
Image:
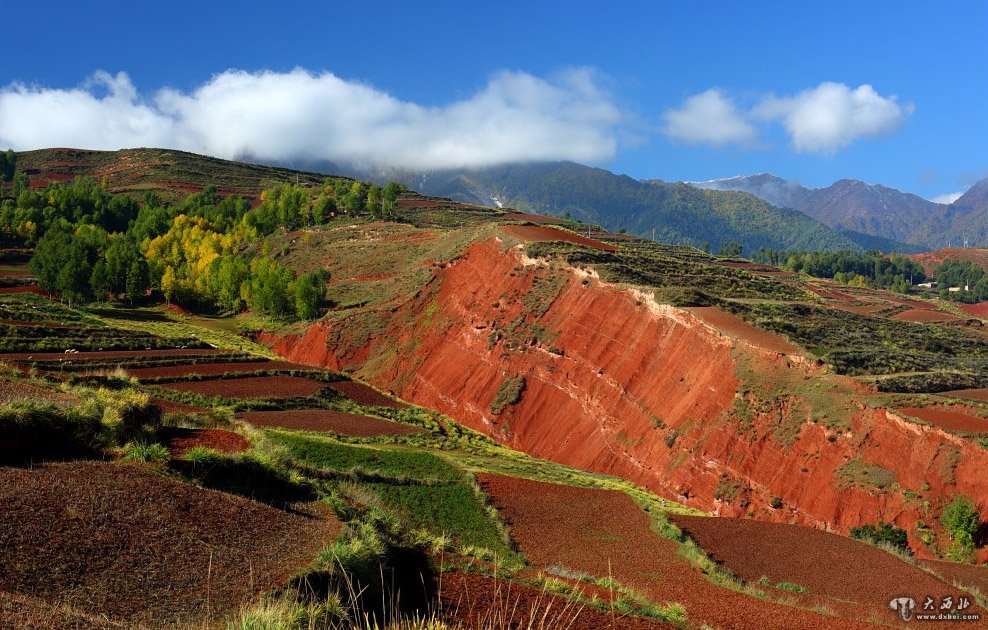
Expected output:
{"points": [[874, 210], [671, 212], [847, 214]]}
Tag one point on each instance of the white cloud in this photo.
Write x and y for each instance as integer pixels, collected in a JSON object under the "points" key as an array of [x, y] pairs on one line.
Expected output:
{"points": [[948, 198], [708, 118], [830, 116], [298, 114]]}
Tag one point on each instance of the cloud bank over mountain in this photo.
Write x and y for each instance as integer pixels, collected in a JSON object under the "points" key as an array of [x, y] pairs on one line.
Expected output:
{"points": [[298, 114]]}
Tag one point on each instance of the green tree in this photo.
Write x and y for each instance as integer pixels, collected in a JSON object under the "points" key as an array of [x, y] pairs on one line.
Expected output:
{"points": [[355, 198], [374, 199], [99, 282], [390, 197], [21, 183], [8, 164], [120, 257], [962, 520], [138, 280], [270, 285], [310, 291]]}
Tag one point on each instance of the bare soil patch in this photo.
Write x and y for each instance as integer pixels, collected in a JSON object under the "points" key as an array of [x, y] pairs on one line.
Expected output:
{"points": [[734, 326], [11, 391], [980, 394], [365, 395], [824, 564], [169, 406], [958, 418], [181, 440], [122, 541], [603, 533], [217, 369], [968, 575], [531, 218], [979, 310], [251, 387], [324, 420], [540, 233]]}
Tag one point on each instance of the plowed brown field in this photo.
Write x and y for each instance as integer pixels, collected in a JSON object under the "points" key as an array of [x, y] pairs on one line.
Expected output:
{"points": [[734, 326], [251, 387], [181, 440], [14, 392], [604, 533], [216, 369], [923, 315], [977, 310], [958, 418], [980, 394], [835, 567], [122, 541], [531, 218], [365, 395], [324, 420], [539, 233]]}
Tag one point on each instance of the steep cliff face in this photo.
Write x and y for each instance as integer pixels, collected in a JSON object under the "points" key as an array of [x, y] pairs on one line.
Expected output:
{"points": [[555, 363]]}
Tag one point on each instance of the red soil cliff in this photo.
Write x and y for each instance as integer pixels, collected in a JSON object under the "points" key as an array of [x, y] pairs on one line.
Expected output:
{"points": [[615, 383]]}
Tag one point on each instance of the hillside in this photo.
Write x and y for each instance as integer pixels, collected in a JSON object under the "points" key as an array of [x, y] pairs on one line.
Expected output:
{"points": [[487, 417], [930, 260], [901, 218], [170, 174], [677, 213]]}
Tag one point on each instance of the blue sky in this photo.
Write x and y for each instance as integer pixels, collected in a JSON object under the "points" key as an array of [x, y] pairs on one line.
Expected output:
{"points": [[888, 92]]}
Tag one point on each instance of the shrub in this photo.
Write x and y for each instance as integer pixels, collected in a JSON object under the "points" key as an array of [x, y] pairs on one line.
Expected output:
{"points": [[149, 453], [509, 393], [882, 533]]}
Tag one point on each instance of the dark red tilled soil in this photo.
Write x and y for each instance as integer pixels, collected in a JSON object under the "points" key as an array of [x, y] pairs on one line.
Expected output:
{"points": [[365, 395], [180, 440], [27, 392], [122, 541], [824, 564], [958, 418], [251, 387], [539, 233], [217, 369], [969, 575], [971, 394], [324, 420], [531, 218], [603, 533], [169, 406]]}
